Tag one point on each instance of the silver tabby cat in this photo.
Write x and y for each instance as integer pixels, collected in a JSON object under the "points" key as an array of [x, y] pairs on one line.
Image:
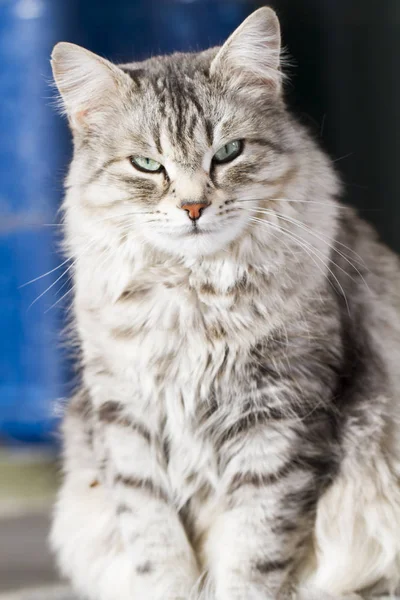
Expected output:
{"points": [[236, 433]]}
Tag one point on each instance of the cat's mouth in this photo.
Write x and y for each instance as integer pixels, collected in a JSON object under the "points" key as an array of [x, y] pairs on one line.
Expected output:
{"points": [[198, 239], [196, 230]]}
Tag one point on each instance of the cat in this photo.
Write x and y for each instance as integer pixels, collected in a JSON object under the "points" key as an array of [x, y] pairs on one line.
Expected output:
{"points": [[236, 431]]}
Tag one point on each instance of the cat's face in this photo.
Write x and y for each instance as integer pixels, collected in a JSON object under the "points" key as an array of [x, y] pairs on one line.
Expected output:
{"points": [[196, 158], [181, 149]]}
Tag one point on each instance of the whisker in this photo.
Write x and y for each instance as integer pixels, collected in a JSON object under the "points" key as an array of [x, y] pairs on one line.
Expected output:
{"points": [[44, 274], [290, 201], [304, 241], [112, 218], [312, 232], [308, 248], [315, 232], [60, 299], [85, 249], [104, 254], [321, 131], [51, 286], [343, 157]]}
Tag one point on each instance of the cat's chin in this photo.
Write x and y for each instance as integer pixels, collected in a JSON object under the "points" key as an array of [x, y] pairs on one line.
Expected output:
{"points": [[202, 243]]}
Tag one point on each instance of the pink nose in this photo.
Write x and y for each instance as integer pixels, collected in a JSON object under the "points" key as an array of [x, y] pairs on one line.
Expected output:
{"points": [[194, 209]]}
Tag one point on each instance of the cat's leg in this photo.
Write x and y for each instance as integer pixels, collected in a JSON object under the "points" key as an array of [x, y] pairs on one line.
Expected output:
{"points": [[278, 537], [151, 529], [271, 479], [119, 540]]}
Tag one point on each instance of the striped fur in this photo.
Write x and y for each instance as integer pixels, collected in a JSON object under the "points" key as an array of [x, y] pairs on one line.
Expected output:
{"points": [[236, 432]]}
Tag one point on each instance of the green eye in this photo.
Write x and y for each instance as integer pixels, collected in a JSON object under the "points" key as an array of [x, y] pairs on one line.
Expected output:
{"points": [[228, 152], [146, 164]]}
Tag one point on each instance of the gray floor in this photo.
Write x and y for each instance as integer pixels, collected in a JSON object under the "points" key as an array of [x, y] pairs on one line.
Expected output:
{"points": [[24, 556], [29, 479], [41, 593], [27, 570]]}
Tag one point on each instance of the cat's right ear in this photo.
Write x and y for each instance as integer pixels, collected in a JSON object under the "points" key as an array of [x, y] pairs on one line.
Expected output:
{"points": [[89, 85], [250, 58]]}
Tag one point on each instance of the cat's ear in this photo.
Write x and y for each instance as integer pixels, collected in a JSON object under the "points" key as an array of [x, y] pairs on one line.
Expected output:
{"points": [[251, 55], [88, 84]]}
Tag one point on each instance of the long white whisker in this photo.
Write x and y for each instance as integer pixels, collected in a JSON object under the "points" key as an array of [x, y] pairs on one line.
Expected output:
{"points": [[315, 234], [343, 157], [360, 260], [308, 248], [285, 200], [51, 286], [85, 249], [60, 299], [111, 216], [312, 232], [104, 254], [44, 274]]}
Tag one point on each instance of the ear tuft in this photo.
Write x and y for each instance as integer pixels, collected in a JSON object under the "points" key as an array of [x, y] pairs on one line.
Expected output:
{"points": [[251, 55], [88, 84]]}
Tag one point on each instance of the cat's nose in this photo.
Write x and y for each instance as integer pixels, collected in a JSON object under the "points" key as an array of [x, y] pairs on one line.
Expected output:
{"points": [[194, 209]]}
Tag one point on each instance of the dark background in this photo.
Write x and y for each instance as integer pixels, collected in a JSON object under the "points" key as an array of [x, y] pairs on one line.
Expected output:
{"points": [[343, 84]]}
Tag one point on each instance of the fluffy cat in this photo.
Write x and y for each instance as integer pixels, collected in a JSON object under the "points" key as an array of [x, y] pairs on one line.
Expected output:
{"points": [[236, 433]]}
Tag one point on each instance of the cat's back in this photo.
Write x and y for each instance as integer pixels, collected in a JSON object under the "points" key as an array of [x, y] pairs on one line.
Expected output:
{"points": [[369, 273], [363, 256]]}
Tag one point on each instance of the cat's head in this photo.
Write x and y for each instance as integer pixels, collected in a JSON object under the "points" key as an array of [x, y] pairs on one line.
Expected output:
{"points": [[180, 149]]}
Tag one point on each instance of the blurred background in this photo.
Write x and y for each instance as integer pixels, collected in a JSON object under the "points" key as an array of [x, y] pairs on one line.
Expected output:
{"points": [[343, 84]]}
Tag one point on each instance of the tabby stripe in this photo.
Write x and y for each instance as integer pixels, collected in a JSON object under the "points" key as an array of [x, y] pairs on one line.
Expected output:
{"points": [[191, 95], [250, 421], [96, 175], [278, 148], [81, 405], [134, 73], [268, 566], [192, 126], [123, 509], [303, 501], [189, 522], [284, 526], [209, 131], [157, 139], [139, 483], [261, 479], [138, 182], [145, 569], [111, 412], [322, 465], [284, 179]]}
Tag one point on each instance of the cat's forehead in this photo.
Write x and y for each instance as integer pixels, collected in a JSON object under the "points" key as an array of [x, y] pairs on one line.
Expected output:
{"points": [[176, 83], [181, 109], [180, 67]]}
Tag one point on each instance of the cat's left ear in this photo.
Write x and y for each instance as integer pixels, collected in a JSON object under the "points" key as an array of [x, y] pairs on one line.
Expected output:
{"points": [[90, 86], [251, 55]]}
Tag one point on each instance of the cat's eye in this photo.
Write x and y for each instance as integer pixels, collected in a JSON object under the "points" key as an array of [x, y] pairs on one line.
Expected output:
{"points": [[146, 164], [228, 152]]}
